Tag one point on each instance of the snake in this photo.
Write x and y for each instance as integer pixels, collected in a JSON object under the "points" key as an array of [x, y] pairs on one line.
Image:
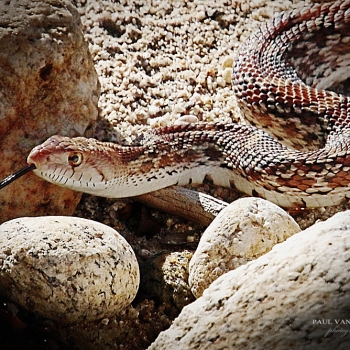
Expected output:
{"points": [[290, 81]]}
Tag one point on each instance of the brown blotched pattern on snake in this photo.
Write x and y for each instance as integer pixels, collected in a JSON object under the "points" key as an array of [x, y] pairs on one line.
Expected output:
{"points": [[279, 78]]}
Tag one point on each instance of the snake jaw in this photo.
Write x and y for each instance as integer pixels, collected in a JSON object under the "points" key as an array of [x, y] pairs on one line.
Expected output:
{"points": [[48, 160], [78, 163], [57, 162]]}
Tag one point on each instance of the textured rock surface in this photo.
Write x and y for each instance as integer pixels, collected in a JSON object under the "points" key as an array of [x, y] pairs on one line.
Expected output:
{"points": [[67, 269], [48, 86], [175, 269], [273, 302], [245, 230]]}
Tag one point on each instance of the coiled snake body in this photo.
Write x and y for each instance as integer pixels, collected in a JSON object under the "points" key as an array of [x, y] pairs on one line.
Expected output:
{"points": [[299, 156]]}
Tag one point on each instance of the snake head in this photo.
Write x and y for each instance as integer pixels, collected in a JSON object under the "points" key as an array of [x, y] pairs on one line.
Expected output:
{"points": [[72, 163]]}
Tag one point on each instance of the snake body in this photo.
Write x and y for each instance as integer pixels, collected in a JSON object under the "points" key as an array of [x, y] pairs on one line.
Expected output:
{"points": [[299, 156]]}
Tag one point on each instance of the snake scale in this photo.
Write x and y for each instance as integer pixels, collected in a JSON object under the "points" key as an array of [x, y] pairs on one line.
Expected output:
{"points": [[295, 152]]}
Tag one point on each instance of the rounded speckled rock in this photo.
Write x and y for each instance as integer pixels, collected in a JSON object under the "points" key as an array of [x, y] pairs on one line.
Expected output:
{"points": [[67, 269], [243, 231], [296, 296]]}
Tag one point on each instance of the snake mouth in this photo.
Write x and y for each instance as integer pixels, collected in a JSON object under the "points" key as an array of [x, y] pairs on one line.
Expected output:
{"points": [[37, 155]]}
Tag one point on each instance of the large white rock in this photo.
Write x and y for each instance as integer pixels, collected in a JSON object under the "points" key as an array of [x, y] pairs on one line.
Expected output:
{"points": [[243, 231], [297, 296], [67, 269]]}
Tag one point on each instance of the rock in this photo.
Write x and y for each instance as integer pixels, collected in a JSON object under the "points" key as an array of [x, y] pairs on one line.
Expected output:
{"points": [[278, 301], [66, 269], [165, 277], [243, 231], [175, 270], [48, 86]]}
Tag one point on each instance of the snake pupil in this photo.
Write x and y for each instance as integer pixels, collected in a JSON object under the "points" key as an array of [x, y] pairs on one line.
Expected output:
{"points": [[75, 159]]}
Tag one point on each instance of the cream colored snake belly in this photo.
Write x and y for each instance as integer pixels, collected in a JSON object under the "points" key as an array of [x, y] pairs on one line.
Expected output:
{"points": [[299, 156]]}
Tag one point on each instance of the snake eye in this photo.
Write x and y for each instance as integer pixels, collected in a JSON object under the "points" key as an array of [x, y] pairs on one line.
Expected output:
{"points": [[75, 159]]}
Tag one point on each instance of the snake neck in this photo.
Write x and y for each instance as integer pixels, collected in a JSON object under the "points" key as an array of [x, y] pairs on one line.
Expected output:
{"points": [[176, 155], [230, 155]]}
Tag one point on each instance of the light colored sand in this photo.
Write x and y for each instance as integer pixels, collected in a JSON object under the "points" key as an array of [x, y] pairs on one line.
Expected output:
{"points": [[161, 60]]}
